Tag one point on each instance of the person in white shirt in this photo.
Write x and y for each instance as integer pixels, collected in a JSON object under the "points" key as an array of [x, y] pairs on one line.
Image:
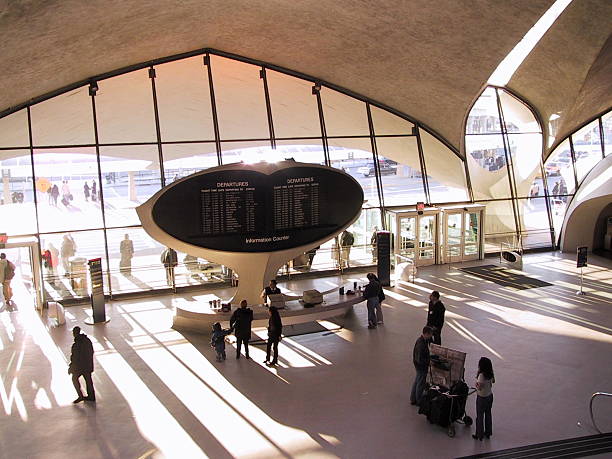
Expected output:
{"points": [[484, 399]]}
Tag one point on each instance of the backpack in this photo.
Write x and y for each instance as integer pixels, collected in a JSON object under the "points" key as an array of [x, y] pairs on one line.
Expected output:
{"points": [[9, 271], [381, 295]]}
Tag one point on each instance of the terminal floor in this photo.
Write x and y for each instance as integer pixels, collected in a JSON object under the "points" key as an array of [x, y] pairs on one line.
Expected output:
{"points": [[343, 393]]}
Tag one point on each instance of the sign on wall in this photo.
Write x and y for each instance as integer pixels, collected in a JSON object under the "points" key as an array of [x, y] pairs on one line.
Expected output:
{"points": [[258, 208]]}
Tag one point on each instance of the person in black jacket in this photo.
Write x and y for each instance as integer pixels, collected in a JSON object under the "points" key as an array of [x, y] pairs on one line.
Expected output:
{"points": [[241, 324], [372, 295], [275, 328], [420, 358], [81, 364], [435, 316]]}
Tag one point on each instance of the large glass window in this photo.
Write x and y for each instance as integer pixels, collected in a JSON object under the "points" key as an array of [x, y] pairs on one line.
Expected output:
{"points": [[484, 116], [183, 100], [17, 212], [72, 199], [500, 226], [535, 226], [526, 151], [304, 151], [294, 107], [386, 123], [63, 120], [560, 171], [183, 159], [124, 109], [135, 261], [130, 176], [14, 130], [606, 122], [487, 164], [445, 171], [249, 152], [587, 149], [400, 170], [240, 100], [354, 156], [344, 115]]}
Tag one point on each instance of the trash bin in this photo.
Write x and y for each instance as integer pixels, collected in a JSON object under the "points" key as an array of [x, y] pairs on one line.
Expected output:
{"points": [[78, 275]]}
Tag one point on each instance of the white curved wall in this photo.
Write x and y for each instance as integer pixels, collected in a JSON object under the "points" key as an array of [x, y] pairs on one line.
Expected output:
{"points": [[592, 197]]}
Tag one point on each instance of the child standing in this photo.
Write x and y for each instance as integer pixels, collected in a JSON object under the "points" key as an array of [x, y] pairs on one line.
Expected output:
{"points": [[217, 340]]}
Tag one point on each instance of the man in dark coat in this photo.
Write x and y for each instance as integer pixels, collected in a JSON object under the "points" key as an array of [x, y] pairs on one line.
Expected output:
{"points": [[81, 364], [435, 316], [241, 324], [420, 358]]}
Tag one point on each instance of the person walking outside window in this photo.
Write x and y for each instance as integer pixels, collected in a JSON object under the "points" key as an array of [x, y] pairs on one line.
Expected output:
{"points": [[126, 249], [420, 358], [484, 399]]}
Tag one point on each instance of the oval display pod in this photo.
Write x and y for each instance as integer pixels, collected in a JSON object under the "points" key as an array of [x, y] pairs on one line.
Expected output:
{"points": [[253, 218]]}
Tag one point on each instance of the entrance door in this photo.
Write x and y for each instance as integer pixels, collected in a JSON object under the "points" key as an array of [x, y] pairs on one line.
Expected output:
{"points": [[26, 284], [428, 238], [462, 234], [407, 236]]}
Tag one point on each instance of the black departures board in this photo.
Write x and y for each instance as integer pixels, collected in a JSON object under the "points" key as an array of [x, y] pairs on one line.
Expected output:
{"points": [[244, 210]]}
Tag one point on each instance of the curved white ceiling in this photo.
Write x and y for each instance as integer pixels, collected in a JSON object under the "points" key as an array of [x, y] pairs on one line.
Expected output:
{"points": [[427, 59]]}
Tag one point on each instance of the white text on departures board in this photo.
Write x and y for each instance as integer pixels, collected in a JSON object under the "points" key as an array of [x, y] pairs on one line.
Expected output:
{"points": [[300, 180], [228, 184]]}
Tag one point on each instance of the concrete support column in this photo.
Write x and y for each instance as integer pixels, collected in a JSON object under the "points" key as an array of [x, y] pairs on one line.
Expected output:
{"points": [[131, 187]]}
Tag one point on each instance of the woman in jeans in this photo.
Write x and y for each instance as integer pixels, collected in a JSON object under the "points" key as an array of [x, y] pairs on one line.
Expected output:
{"points": [[371, 294], [484, 399]]}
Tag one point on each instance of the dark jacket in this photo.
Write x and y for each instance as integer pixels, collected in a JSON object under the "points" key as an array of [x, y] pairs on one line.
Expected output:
{"points": [[275, 327], [241, 322], [81, 357], [372, 290], [217, 340], [435, 316], [420, 354]]}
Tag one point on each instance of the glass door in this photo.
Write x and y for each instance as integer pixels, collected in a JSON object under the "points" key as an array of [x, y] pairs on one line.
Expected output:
{"points": [[453, 233], [407, 236], [471, 235], [427, 240]]}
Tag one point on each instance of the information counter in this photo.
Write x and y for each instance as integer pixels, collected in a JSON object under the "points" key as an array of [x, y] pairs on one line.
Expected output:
{"points": [[199, 317]]}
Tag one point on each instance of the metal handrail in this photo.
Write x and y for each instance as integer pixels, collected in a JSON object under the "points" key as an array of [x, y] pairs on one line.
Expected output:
{"points": [[593, 397]]}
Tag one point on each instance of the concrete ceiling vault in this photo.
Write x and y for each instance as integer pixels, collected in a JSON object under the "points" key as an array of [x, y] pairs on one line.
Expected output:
{"points": [[427, 59]]}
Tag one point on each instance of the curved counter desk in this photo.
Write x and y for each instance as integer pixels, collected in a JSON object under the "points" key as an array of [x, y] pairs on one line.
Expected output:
{"points": [[198, 317]]}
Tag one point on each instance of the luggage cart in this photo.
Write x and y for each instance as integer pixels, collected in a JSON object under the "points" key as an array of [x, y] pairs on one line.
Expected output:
{"points": [[447, 394]]}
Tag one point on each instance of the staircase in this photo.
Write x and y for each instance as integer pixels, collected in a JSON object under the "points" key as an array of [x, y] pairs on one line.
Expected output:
{"points": [[573, 447]]}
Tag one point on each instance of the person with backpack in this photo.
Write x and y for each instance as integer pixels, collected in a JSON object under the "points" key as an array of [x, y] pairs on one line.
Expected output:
{"points": [[217, 341], [240, 323], [7, 272]]}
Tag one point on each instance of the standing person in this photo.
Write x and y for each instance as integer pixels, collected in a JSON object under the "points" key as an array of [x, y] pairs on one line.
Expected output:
{"points": [[54, 194], [420, 358], [68, 249], [271, 289], [86, 191], [275, 329], [126, 249], [371, 295], [66, 194], [94, 191], [169, 259], [381, 297], [435, 316], [346, 242], [484, 399], [82, 364], [241, 324], [373, 243], [7, 272], [217, 340], [51, 260]]}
